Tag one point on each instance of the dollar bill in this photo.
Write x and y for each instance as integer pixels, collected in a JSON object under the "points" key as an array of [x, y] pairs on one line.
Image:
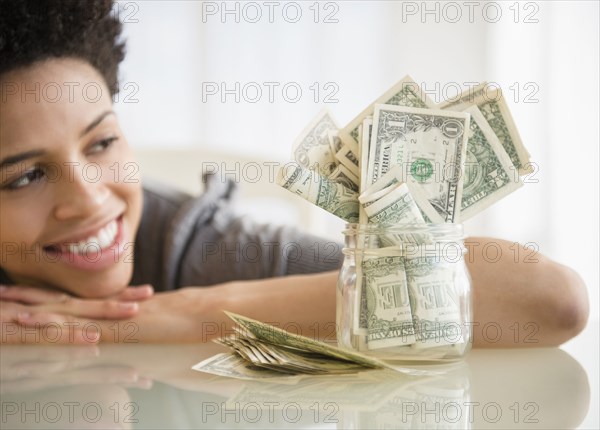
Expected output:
{"points": [[312, 150], [365, 139], [348, 159], [428, 212], [435, 303], [335, 143], [384, 185], [334, 197], [489, 172], [344, 176], [286, 360], [389, 316], [387, 202], [492, 105], [390, 181], [429, 145], [276, 336], [405, 92], [367, 242], [234, 366], [384, 306], [395, 207]]}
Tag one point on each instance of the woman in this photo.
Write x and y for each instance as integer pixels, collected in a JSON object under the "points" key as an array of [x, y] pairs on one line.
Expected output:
{"points": [[78, 231]]}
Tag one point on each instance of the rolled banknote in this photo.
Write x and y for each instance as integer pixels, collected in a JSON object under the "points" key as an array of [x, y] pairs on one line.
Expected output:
{"points": [[389, 316], [434, 297], [387, 183], [312, 149], [334, 197]]}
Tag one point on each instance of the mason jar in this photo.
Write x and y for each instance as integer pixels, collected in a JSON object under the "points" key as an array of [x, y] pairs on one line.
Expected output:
{"points": [[404, 292]]}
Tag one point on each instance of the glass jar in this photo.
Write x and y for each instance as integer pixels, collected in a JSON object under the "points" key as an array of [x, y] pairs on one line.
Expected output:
{"points": [[404, 292]]}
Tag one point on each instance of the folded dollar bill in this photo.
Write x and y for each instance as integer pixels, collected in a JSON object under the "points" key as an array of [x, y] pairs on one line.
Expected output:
{"points": [[262, 351]]}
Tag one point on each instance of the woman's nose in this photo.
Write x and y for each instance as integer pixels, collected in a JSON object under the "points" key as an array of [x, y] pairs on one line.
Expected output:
{"points": [[79, 196]]}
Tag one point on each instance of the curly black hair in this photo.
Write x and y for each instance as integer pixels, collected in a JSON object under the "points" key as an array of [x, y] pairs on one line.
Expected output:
{"points": [[37, 30]]}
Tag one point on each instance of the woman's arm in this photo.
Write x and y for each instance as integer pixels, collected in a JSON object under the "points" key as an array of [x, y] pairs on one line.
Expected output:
{"points": [[527, 298], [516, 303], [521, 299]]}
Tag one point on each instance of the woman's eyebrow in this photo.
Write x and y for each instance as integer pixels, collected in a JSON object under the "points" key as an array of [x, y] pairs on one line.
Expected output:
{"points": [[13, 159], [95, 122]]}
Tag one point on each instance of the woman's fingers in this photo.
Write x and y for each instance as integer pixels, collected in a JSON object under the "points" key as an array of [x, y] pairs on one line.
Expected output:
{"points": [[30, 295], [54, 330], [120, 306], [87, 308], [135, 293], [82, 308]]}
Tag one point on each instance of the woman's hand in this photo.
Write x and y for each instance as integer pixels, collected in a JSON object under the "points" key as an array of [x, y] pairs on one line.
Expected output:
{"points": [[193, 314], [183, 315], [37, 315], [175, 316]]}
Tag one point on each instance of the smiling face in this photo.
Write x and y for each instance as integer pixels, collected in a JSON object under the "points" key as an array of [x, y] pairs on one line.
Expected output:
{"points": [[70, 199]]}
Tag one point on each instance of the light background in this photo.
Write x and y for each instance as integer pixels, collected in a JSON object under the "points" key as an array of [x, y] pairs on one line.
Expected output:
{"points": [[543, 54]]}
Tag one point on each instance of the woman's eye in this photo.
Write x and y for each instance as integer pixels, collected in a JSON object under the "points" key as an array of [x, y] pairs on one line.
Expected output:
{"points": [[102, 145], [28, 177]]}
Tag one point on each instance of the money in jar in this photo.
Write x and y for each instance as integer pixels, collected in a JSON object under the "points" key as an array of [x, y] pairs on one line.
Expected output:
{"points": [[404, 292]]}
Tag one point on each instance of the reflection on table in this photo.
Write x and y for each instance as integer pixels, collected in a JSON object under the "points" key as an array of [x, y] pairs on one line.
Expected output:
{"points": [[152, 386]]}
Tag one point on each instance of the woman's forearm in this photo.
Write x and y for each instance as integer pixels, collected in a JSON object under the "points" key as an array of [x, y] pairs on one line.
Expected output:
{"points": [[304, 304], [516, 303]]}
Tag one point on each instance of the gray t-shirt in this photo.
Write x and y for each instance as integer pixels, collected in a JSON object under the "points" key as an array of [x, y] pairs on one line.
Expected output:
{"points": [[198, 241]]}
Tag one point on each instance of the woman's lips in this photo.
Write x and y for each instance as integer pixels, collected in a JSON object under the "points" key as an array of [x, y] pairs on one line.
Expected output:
{"points": [[93, 257]]}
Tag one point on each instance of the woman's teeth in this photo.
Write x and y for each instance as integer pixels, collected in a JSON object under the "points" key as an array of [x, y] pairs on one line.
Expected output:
{"points": [[105, 237]]}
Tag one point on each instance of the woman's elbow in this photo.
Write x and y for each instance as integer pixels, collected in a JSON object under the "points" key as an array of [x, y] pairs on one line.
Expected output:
{"points": [[571, 306]]}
